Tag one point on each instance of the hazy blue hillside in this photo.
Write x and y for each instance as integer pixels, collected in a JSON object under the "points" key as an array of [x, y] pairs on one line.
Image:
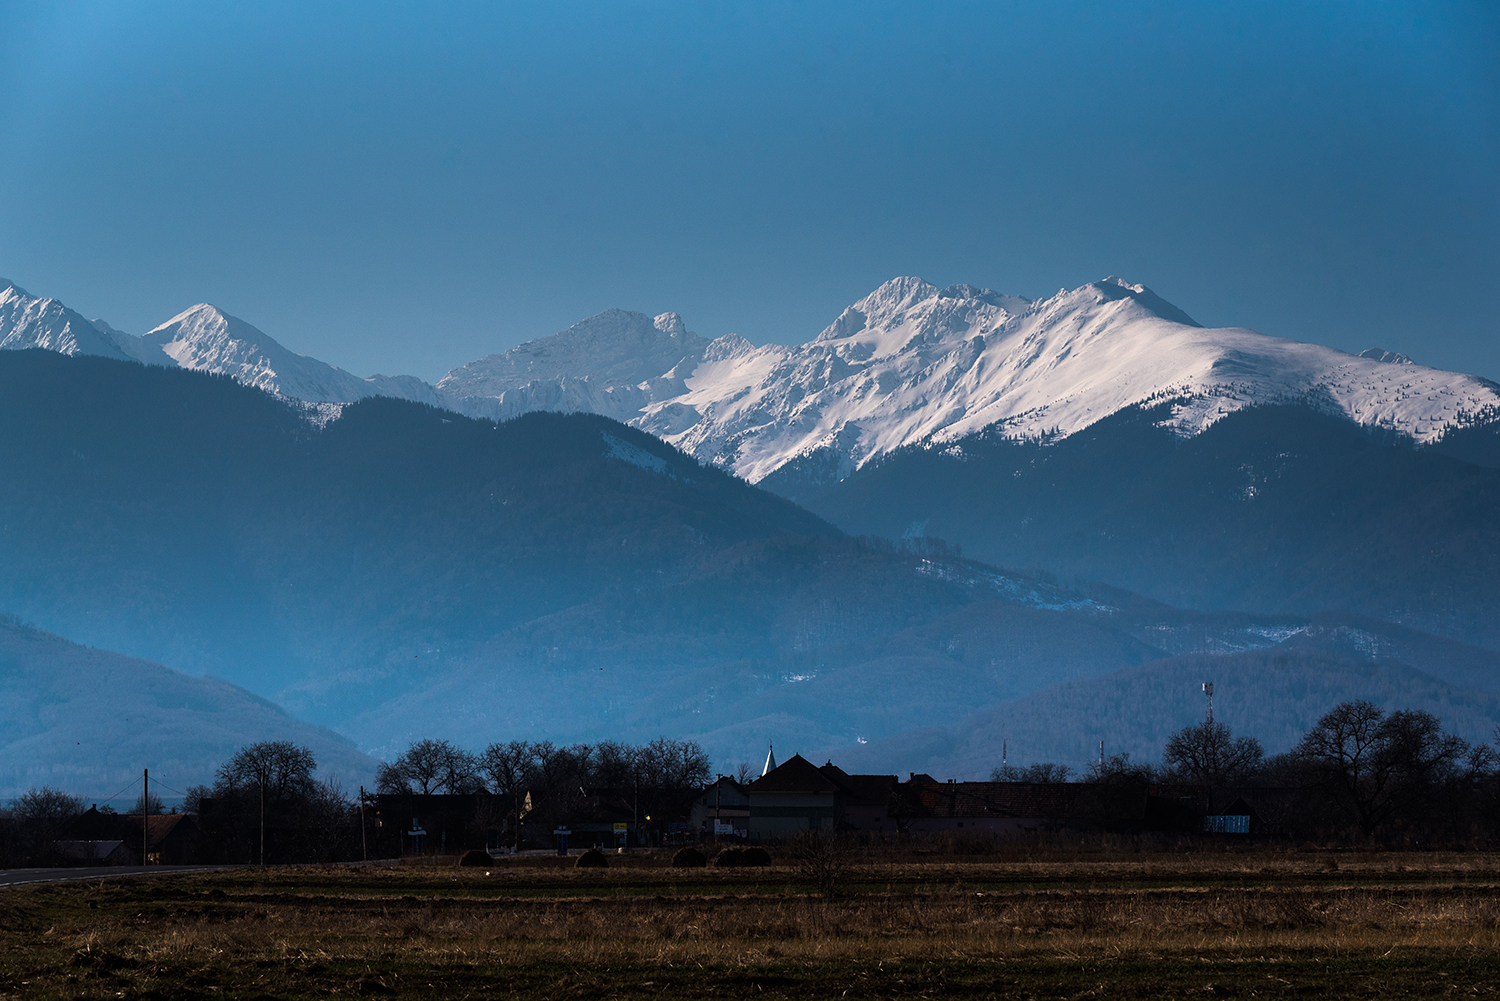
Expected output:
{"points": [[402, 572], [88, 721], [1273, 695], [189, 519], [1272, 509], [405, 570]]}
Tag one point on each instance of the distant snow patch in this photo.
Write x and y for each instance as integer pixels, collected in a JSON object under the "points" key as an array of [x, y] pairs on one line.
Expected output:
{"points": [[618, 448], [319, 415], [1027, 592]]}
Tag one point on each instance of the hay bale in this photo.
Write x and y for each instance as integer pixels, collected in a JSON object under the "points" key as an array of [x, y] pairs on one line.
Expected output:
{"points": [[755, 857], [592, 859], [475, 857], [688, 858], [729, 858]]}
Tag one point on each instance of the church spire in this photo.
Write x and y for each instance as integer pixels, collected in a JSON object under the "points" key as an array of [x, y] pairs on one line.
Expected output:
{"points": [[770, 760]]}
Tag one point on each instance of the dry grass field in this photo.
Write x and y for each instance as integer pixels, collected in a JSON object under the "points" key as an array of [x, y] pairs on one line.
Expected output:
{"points": [[1133, 926]]}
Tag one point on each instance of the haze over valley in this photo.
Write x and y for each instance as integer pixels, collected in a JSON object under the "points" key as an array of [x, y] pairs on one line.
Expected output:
{"points": [[952, 518]]}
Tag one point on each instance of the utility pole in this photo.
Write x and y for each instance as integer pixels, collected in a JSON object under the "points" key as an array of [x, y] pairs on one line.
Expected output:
{"points": [[262, 820], [145, 814], [1208, 718], [364, 848], [1004, 750]]}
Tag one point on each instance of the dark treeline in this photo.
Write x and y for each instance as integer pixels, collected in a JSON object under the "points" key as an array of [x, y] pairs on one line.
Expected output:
{"points": [[555, 780], [1361, 774], [266, 805]]}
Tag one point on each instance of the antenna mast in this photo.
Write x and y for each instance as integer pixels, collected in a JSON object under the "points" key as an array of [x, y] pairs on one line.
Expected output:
{"points": [[1208, 690]]}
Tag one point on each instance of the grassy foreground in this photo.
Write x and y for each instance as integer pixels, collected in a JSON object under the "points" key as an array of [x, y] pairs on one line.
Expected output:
{"points": [[1131, 926]]}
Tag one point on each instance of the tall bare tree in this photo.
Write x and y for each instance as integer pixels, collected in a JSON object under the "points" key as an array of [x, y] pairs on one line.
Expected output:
{"points": [[1209, 754], [281, 769], [506, 765], [428, 767], [1377, 765]]}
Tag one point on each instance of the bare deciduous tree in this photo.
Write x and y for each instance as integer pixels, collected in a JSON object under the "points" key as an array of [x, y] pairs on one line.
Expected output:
{"points": [[428, 767], [1040, 772], [1210, 754], [506, 765], [279, 767], [1375, 764]]}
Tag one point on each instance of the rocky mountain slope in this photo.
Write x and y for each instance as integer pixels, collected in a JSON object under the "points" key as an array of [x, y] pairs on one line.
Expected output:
{"points": [[1271, 510]]}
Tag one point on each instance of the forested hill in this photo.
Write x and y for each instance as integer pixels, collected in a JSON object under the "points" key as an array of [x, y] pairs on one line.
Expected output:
{"points": [[195, 521], [1272, 509], [400, 572], [88, 721]]}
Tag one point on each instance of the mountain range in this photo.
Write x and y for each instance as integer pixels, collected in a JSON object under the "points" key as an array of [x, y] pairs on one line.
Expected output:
{"points": [[909, 364], [399, 560]]}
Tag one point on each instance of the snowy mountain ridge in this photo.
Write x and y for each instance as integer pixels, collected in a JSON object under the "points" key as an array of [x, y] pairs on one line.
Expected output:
{"points": [[909, 364], [29, 322], [914, 364], [203, 338], [206, 339]]}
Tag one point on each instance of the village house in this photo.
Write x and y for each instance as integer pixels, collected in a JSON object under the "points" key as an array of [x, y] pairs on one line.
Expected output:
{"points": [[798, 796], [102, 838], [722, 809]]}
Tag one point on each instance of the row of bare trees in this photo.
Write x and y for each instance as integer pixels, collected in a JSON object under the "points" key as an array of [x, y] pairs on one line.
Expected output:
{"points": [[556, 778], [438, 766], [265, 805], [1360, 770]]}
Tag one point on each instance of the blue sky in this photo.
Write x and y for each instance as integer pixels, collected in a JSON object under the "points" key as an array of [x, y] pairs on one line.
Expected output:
{"points": [[398, 188]]}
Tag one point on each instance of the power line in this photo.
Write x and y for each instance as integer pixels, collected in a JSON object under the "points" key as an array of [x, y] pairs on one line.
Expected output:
{"points": [[106, 799], [170, 789]]}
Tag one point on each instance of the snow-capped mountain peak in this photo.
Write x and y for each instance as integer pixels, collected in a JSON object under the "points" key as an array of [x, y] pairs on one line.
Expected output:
{"points": [[29, 322], [670, 324], [202, 337], [612, 363], [206, 338], [1390, 357], [912, 364], [907, 364]]}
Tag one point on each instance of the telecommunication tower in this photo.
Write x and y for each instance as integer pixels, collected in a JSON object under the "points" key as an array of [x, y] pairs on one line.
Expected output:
{"points": [[1208, 690]]}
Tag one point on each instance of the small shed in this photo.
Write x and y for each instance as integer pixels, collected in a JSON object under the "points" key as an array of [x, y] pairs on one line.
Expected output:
{"points": [[1236, 818]]}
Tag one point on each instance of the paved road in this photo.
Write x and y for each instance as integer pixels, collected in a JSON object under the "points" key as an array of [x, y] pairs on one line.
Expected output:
{"points": [[20, 877]]}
